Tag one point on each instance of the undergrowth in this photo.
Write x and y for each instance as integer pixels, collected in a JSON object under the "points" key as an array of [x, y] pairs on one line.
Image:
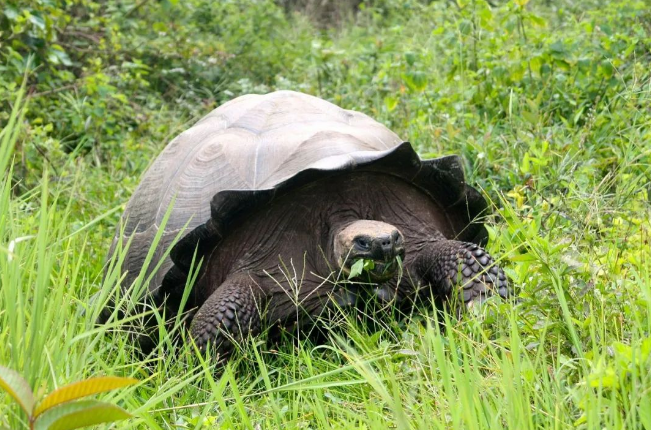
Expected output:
{"points": [[547, 103]]}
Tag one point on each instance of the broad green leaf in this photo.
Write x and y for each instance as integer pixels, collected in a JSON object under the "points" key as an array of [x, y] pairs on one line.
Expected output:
{"points": [[624, 351], [18, 388], [606, 378], [11, 13], [523, 257], [410, 56], [369, 265], [58, 56], [416, 81], [356, 269], [558, 49], [81, 389], [37, 21], [606, 69], [84, 413], [646, 348], [390, 102], [537, 20], [536, 63]]}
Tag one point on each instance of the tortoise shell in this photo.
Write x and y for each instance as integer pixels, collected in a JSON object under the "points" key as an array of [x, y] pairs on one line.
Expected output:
{"points": [[255, 148]]}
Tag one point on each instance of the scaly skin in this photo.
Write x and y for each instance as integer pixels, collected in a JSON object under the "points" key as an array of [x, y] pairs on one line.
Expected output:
{"points": [[449, 263], [229, 315]]}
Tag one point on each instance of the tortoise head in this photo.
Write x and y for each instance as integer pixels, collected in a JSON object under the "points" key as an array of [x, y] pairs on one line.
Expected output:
{"points": [[367, 240]]}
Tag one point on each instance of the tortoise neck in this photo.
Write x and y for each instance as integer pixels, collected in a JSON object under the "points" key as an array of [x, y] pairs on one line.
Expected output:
{"points": [[336, 225]]}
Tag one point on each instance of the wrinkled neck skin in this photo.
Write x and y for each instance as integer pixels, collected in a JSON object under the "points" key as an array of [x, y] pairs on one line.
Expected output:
{"points": [[335, 225]]}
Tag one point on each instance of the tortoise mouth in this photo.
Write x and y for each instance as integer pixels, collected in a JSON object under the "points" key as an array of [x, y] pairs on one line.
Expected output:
{"points": [[383, 270], [375, 270]]}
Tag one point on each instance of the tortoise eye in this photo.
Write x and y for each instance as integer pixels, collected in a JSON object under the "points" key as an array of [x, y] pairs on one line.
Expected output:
{"points": [[362, 243]]}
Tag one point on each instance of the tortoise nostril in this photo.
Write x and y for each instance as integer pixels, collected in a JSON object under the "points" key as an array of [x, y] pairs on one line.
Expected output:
{"points": [[384, 241], [385, 244]]}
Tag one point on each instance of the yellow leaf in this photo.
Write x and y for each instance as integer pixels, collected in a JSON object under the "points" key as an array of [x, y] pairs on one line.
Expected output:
{"points": [[81, 389]]}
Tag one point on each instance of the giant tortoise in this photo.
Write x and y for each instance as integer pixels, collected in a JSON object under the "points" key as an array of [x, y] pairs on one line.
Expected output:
{"points": [[279, 197]]}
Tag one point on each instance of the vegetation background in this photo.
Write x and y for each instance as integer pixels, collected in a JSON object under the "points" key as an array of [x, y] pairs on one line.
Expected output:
{"points": [[548, 102]]}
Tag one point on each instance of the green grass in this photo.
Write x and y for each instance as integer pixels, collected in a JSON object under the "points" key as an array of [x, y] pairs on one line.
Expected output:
{"points": [[548, 105]]}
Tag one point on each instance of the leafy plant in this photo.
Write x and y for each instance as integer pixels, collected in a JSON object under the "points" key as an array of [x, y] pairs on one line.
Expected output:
{"points": [[62, 409], [360, 266], [365, 265]]}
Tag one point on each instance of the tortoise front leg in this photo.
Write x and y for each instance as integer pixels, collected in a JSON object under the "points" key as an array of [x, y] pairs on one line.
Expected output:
{"points": [[446, 264], [230, 314]]}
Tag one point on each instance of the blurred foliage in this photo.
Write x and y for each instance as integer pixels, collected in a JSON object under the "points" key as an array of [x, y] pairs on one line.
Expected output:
{"points": [[103, 70], [328, 13], [100, 70]]}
